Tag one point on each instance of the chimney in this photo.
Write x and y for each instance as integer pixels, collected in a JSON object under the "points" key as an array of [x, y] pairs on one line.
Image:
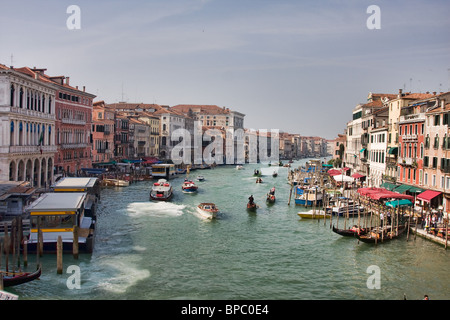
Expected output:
{"points": [[67, 80], [76, 87], [400, 93], [84, 88]]}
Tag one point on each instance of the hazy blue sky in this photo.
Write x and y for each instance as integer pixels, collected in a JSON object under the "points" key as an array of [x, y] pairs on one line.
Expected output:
{"points": [[297, 66]]}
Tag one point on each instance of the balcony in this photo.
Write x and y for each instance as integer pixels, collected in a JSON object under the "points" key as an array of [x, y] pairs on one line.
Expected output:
{"points": [[407, 161], [32, 149], [73, 145], [73, 121], [29, 113], [410, 138]]}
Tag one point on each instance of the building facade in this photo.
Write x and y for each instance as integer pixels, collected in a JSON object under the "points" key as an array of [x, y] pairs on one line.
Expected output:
{"points": [[27, 115]]}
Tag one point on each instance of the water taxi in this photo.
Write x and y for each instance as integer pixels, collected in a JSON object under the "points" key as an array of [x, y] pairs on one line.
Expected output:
{"points": [[57, 214], [208, 210], [161, 190], [344, 206], [116, 182], [189, 186], [200, 178], [163, 170]]}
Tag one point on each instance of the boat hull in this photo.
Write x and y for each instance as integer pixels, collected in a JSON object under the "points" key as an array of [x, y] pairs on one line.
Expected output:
{"points": [[20, 278], [308, 203], [313, 215], [377, 238], [208, 210], [161, 198]]}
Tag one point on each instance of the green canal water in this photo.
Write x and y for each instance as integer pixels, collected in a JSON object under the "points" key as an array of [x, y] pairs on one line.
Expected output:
{"points": [[164, 250]]}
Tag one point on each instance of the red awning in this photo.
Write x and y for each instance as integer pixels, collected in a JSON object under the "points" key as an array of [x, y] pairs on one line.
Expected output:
{"points": [[334, 172], [428, 195], [357, 175], [380, 193]]}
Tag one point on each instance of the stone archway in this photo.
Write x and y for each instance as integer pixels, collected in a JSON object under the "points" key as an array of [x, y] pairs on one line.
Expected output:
{"points": [[12, 171], [21, 171], [43, 172], [29, 171], [36, 171], [50, 171]]}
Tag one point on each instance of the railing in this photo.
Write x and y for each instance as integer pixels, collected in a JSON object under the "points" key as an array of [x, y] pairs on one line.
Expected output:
{"points": [[31, 149], [73, 145], [406, 161], [73, 121], [28, 112]]}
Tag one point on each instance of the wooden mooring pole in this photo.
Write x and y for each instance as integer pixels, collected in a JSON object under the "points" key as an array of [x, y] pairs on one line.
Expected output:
{"points": [[59, 256], [75, 242]]}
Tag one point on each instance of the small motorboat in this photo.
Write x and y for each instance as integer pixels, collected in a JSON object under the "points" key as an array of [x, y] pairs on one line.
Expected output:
{"points": [[239, 167], [116, 182], [208, 210], [161, 190], [15, 278], [200, 178], [314, 214], [189, 186]]}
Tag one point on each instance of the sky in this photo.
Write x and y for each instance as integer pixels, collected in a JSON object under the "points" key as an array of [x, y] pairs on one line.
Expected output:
{"points": [[297, 66]]}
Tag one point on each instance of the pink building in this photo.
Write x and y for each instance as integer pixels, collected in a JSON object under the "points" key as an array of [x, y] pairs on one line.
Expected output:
{"points": [[102, 133]]}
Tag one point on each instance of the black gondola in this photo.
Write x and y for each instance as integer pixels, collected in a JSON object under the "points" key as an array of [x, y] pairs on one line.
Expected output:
{"points": [[270, 198], [354, 231], [377, 237], [251, 206], [15, 278]]}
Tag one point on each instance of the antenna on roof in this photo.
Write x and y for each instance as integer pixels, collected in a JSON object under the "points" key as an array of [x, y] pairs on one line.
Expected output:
{"points": [[12, 60]]}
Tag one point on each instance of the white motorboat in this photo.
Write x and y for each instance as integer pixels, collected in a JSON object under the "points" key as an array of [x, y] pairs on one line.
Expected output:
{"points": [[161, 190], [208, 210]]}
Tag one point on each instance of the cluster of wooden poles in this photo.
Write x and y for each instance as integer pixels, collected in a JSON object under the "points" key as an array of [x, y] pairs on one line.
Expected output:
{"points": [[14, 243]]}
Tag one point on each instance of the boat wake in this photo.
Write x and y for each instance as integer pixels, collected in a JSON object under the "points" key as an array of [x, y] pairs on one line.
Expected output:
{"points": [[154, 209], [124, 273]]}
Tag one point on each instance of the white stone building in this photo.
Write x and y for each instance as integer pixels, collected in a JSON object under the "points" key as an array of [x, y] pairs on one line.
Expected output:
{"points": [[27, 124]]}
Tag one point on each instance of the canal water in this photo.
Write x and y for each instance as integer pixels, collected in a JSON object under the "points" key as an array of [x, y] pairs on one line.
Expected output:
{"points": [[164, 250]]}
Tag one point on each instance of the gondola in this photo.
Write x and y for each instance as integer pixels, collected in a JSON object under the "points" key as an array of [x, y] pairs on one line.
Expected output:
{"points": [[270, 198], [251, 207], [354, 231], [376, 237], [15, 278]]}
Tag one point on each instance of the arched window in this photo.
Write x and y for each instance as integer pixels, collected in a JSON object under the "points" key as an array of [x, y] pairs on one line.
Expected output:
{"points": [[12, 95], [49, 105], [28, 100], [21, 97]]}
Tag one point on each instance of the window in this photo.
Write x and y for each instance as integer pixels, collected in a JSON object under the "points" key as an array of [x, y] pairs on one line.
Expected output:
{"points": [[437, 119], [435, 162]]}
